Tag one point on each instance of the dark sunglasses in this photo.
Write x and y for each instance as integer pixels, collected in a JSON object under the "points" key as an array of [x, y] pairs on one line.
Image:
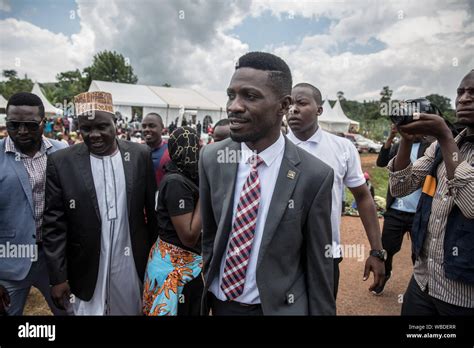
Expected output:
{"points": [[30, 125]]}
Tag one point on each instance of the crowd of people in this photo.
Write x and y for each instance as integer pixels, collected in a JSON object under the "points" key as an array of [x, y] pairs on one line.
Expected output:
{"points": [[240, 226]]}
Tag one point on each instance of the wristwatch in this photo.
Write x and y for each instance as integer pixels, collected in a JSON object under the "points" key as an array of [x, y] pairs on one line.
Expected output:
{"points": [[381, 254]]}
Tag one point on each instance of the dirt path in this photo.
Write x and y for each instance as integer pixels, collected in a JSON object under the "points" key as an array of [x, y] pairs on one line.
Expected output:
{"points": [[353, 297]]}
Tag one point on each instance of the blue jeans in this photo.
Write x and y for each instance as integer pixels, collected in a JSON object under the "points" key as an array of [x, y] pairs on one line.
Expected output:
{"points": [[37, 277]]}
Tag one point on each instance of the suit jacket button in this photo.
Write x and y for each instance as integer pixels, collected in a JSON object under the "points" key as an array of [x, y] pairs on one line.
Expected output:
{"points": [[34, 236]]}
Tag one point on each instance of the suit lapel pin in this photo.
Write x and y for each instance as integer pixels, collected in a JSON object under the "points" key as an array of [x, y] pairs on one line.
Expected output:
{"points": [[291, 174]]}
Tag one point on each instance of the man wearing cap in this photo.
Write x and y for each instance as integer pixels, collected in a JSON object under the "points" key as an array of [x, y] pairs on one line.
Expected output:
{"points": [[99, 219]]}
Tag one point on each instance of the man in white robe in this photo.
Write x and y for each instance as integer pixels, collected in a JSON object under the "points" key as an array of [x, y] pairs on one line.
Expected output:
{"points": [[99, 218]]}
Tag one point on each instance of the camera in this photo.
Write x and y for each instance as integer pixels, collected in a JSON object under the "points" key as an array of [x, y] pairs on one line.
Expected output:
{"points": [[403, 114]]}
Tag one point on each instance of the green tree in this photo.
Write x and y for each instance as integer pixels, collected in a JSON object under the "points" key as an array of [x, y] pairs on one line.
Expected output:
{"points": [[13, 84], [10, 74], [110, 66], [166, 85], [444, 105], [340, 96], [70, 83], [386, 94]]}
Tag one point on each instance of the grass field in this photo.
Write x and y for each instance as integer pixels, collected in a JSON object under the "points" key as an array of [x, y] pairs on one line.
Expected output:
{"points": [[378, 176]]}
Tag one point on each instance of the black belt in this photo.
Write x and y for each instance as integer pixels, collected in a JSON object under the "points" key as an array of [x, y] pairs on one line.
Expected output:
{"points": [[235, 303]]}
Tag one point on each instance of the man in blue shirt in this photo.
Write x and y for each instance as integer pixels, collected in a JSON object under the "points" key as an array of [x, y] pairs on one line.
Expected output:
{"points": [[399, 214], [152, 126]]}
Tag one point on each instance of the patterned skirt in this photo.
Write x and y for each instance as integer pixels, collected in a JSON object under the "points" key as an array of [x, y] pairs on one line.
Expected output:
{"points": [[169, 268]]}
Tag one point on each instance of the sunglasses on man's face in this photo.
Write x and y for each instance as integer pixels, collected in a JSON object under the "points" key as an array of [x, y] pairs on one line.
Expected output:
{"points": [[29, 125]]}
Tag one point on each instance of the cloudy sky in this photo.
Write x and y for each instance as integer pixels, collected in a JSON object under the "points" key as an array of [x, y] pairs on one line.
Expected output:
{"points": [[415, 47]]}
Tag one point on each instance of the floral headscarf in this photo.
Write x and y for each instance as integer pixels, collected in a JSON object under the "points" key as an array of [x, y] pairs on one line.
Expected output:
{"points": [[183, 147]]}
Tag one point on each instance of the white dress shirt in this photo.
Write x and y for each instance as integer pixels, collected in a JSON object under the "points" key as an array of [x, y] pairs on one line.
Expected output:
{"points": [[342, 156], [268, 174]]}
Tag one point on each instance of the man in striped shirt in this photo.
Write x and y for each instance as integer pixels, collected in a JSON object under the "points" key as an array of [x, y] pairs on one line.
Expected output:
{"points": [[434, 288]]}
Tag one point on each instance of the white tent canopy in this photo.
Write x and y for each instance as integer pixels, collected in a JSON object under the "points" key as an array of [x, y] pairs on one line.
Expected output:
{"points": [[190, 99], [341, 115], [217, 97], [125, 94], [3, 105], [331, 121], [3, 102], [49, 109], [166, 101]]}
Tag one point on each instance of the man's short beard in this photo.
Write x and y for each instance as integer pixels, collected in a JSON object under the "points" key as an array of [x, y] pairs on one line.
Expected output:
{"points": [[467, 123], [249, 137]]}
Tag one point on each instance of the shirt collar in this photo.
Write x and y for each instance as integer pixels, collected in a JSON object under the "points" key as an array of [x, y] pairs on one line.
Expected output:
{"points": [[315, 138], [268, 155], [10, 145], [163, 142], [460, 135]]}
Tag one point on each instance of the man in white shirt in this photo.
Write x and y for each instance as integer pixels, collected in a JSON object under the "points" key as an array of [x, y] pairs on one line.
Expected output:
{"points": [[343, 157]]}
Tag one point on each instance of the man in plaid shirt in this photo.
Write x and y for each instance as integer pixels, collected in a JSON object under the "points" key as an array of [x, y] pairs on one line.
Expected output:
{"points": [[23, 156]]}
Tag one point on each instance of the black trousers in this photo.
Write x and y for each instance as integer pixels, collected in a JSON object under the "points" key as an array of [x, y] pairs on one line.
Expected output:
{"points": [[232, 308], [396, 224], [417, 302], [190, 301]]}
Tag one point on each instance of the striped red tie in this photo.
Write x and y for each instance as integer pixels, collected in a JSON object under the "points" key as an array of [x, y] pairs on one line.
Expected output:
{"points": [[243, 230]]}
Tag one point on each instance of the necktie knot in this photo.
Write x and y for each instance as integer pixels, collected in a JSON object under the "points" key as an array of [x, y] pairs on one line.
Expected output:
{"points": [[255, 161]]}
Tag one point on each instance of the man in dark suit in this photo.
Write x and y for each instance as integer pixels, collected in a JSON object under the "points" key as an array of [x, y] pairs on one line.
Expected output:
{"points": [[399, 213], [99, 222], [265, 206]]}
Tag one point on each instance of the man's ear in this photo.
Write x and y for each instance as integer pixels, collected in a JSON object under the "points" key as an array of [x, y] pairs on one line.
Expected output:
{"points": [[320, 111], [285, 103]]}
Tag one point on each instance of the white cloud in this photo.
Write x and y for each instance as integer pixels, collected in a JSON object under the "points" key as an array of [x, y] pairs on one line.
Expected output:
{"points": [[428, 49], [427, 45], [39, 52]]}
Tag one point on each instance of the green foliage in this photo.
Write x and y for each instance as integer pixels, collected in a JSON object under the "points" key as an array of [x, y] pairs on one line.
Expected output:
{"points": [[385, 94], [378, 178], [69, 84], [110, 66], [14, 84], [444, 105], [106, 66], [372, 124]]}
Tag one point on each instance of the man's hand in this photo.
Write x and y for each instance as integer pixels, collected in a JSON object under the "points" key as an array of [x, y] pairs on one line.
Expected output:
{"points": [[391, 136], [408, 138], [427, 124], [377, 267], [4, 300], [60, 294], [393, 131]]}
